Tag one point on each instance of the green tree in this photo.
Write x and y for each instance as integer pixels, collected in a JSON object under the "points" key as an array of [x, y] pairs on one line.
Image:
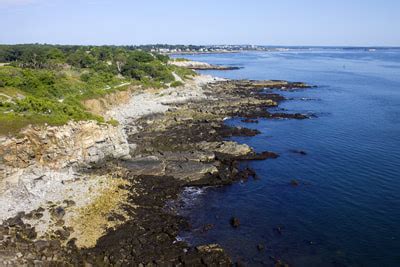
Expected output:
{"points": [[120, 59]]}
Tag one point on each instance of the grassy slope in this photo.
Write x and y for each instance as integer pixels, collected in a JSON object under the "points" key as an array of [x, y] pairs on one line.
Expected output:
{"points": [[44, 96], [30, 96]]}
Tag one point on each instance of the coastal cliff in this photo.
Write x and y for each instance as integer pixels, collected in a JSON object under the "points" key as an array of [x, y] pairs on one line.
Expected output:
{"points": [[43, 166], [76, 191], [41, 158]]}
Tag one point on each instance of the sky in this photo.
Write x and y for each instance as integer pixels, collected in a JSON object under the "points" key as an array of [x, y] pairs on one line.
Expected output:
{"points": [[259, 22]]}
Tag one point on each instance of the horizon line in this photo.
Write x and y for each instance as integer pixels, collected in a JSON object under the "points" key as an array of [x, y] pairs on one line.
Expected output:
{"points": [[177, 44]]}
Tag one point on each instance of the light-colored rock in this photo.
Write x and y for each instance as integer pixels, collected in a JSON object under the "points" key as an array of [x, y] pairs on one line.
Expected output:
{"points": [[56, 147], [191, 170], [35, 167], [197, 65], [226, 147], [209, 248], [143, 104], [190, 64], [150, 165]]}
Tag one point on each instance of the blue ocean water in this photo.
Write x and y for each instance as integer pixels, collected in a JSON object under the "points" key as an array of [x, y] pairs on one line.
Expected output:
{"points": [[346, 210]]}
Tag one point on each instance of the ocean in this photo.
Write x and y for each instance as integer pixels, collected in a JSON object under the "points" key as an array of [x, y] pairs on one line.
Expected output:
{"points": [[346, 209]]}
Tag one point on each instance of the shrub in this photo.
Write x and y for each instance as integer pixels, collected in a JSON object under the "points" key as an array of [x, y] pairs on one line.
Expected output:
{"points": [[55, 79], [113, 122], [176, 84], [180, 59]]}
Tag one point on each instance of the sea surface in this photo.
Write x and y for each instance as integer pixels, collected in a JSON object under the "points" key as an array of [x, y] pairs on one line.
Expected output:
{"points": [[346, 209]]}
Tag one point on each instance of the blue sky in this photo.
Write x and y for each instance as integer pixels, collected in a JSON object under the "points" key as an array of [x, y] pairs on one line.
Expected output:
{"points": [[265, 22]]}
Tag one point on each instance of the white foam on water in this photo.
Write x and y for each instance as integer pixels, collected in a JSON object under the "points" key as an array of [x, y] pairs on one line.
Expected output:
{"points": [[190, 195], [193, 191]]}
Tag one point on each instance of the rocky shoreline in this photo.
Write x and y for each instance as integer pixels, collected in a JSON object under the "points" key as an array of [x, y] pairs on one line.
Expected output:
{"points": [[196, 65], [183, 144]]}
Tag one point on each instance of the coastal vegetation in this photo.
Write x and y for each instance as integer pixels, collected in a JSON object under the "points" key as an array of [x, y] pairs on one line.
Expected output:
{"points": [[48, 83]]}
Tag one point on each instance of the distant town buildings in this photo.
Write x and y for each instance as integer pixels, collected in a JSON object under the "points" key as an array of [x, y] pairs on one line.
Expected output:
{"points": [[195, 49], [187, 49]]}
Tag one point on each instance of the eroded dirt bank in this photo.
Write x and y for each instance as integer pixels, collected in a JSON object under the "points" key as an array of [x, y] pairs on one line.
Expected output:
{"points": [[126, 223]]}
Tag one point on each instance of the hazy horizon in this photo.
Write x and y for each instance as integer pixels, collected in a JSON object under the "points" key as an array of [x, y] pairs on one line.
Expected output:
{"points": [[340, 23], [259, 45]]}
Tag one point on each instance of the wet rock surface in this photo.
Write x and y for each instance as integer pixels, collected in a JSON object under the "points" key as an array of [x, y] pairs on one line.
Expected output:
{"points": [[186, 146], [235, 222]]}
